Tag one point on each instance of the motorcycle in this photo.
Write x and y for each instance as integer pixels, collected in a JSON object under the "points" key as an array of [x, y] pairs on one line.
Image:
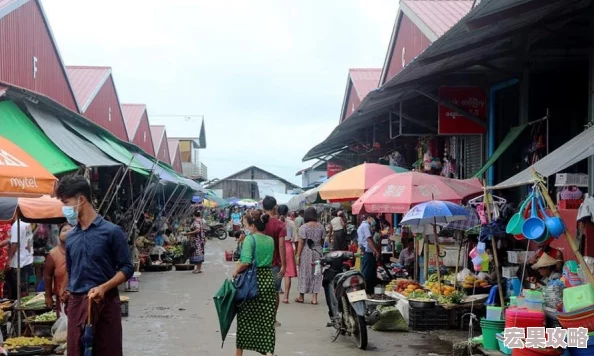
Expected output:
{"points": [[216, 230], [346, 298]]}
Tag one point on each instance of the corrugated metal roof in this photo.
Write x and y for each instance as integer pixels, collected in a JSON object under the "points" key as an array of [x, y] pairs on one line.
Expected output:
{"points": [[439, 15], [86, 82], [132, 117], [157, 132], [173, 148], [365, 80]]}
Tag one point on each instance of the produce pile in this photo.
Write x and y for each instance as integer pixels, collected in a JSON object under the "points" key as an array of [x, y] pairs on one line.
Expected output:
{"points": [[434, 288], [49, 316], [471, 281], [403, 286], [6, 305], [33, 302], [447, 278], [17, 342]]}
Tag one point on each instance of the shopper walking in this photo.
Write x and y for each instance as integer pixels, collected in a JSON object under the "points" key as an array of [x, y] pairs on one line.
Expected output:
{"points": [[277, 230], [98, 261], [256, 317], [291, 271], [311, 239], [54, 272]]}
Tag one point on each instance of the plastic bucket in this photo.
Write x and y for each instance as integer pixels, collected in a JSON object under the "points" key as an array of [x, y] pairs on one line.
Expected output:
{"points": [[490, 330], [494, 313]]}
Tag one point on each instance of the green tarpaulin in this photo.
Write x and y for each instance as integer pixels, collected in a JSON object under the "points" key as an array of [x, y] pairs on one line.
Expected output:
{"points": [[109, 146], [511, 136], [18, 128]]}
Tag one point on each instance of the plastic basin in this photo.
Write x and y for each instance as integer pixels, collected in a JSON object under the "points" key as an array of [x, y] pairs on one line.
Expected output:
{"points": [[502, 348], [536, 306], [579, 297]]}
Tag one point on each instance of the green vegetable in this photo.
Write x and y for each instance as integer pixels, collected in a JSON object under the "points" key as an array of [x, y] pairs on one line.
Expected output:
{"points": [[419, 295], [49, 316]]}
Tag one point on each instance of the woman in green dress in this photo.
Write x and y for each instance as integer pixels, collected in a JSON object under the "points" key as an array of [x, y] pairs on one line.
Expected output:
{"points": [[255, 318]]}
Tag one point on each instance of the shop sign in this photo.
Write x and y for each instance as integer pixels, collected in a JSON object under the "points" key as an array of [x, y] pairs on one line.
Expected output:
{"points": [[333, 168], [472, 100]]}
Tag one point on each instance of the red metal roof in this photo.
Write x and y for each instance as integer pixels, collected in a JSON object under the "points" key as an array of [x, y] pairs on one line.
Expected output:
{"points": [[86, 82], [173, 147], [157, 132], [439, 15], [365, 80], [132, 117]]}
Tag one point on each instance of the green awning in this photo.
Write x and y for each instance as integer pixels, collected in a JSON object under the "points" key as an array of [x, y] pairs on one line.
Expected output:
{"points": [[18, 128], [511, 136], [109, 146]]}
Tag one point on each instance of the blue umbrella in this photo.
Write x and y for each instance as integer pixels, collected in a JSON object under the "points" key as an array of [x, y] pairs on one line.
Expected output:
{"points": [[87, 337], [434, 212]]}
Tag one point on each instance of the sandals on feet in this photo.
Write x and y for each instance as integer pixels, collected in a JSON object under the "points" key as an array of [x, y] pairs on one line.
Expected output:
{"points": [[297, 300]]}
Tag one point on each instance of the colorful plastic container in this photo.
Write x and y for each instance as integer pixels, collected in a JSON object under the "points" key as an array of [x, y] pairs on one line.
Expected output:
{"points": [[490, 330], [535, 306], [502, 348], [579, 297], [494, 313]]}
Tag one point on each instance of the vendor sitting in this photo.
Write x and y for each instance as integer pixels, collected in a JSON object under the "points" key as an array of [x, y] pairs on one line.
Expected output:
{"points": [[407, 255], [546, 267]]}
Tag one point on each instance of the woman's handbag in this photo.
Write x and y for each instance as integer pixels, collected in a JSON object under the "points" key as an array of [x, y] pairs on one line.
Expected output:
{"points": [[247, 282]]}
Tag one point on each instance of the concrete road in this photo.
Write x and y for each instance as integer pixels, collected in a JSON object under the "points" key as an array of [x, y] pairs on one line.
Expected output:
{"points": [[174, 314]]}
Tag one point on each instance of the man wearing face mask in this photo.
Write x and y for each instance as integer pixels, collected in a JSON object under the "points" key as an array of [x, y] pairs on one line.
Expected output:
{"points": [[97, 260]]}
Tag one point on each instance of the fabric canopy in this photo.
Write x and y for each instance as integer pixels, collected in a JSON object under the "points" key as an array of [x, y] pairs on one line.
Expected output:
{"points": [[17, 128], [108, 146], [40, 209], [75, 146], [21, 175], [190, 183], [159, 172], [575, 150], [511, 136]]}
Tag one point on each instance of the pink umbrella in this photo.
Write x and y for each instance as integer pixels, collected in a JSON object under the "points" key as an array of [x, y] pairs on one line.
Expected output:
{"points": [[397, 193]]}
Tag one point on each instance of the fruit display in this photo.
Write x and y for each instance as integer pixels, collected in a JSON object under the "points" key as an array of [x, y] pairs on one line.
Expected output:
{"points": [[472, 281], [445, 289], [16, 342], [403, 286], [49, 316], [447, 278]]}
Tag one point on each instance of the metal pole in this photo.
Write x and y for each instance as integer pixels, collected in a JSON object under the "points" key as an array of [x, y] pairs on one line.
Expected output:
{"points": [[110, 188], [178, 199], [19, 275], [171, 196], [117, 189]]}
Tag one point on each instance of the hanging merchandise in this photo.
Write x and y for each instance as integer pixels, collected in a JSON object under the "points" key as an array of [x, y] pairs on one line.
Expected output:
{"points": [[427, 159], [423, 153]]}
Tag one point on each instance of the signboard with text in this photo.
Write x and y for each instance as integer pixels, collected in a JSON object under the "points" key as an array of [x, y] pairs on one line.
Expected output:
{"points": [[472, 100], [333, 169]]}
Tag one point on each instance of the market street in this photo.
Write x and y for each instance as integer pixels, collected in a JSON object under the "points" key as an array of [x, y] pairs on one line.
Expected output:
{"points": [[173, 314]]}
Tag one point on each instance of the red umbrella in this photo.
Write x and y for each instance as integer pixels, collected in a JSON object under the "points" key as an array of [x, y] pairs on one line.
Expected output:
{"points": [[397, 193]]}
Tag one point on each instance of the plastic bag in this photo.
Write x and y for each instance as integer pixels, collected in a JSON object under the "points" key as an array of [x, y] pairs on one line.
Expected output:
{"points": [[390, 320], [60, 328]]}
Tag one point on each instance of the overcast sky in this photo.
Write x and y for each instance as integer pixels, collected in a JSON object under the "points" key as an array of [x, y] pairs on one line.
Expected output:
{"points": [[268, 76]]}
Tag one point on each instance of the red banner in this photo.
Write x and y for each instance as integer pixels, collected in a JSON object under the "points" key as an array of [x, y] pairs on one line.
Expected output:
{"points": [[471, 99], [333, 168]]}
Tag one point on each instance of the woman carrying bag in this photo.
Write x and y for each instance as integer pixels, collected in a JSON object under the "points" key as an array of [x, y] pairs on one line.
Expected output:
{"points": [[256, 316]]}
